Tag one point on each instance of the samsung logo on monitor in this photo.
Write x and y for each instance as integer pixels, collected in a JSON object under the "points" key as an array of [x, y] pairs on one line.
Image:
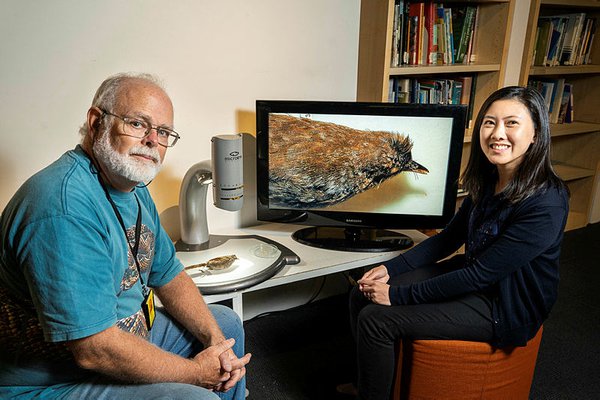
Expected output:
{"points": [[354, 221]]}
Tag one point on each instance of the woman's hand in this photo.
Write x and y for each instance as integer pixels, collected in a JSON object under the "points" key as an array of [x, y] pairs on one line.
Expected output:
{"points": [[376, 291], [379, 274], [374, 285]]}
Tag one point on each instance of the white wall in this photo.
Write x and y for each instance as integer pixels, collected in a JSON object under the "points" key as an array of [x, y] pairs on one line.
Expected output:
{"points": [[215, 57]]}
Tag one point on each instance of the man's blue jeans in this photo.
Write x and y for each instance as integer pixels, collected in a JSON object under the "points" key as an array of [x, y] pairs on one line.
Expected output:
{"points": [[171, 337]]}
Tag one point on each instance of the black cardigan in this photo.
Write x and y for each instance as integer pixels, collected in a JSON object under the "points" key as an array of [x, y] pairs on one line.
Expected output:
{"points": [[511, 251]]}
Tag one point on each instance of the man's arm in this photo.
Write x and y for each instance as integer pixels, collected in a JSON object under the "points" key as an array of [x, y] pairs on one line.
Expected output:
{"points": [[183, 301], [130, 358]]}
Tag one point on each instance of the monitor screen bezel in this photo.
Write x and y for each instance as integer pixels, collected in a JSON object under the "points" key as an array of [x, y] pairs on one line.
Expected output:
{"points": [[320, 217]]}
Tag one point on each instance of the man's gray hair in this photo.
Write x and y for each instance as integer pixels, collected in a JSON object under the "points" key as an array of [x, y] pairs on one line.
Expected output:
{"points": [[106, 95]]}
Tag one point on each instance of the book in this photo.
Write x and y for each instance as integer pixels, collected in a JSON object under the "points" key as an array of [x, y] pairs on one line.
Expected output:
{"points": [[556, 40], [458, 22], [545, 88], [471, 104], [431, 91], [440, 33], [564, 104], [580, 24], [471, 55], [397, 37], [399, 56], [570, 115], [404, 33], [559, 85], [428, 89], [467, 83], [587, 58], [457, 91], [449, 36], [544, 32], [412, 39], [572, 31], [561, 42], [552, 90], [416, 13], [431, 43], [466, 17], [395, 58], [582, 48], [586, 39], [403, 87]]}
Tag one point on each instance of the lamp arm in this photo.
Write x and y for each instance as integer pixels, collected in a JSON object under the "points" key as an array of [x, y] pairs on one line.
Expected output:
{"points": [[192, 204]]}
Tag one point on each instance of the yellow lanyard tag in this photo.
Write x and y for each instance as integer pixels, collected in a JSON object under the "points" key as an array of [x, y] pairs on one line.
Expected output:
{"points": [[148, 307]]}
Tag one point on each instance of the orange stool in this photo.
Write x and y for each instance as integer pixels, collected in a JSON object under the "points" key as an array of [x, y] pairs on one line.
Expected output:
{"points": [[461, 370]]}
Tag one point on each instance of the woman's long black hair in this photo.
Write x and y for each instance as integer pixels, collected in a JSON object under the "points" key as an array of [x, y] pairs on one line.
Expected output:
{"points": [[535, 172]]}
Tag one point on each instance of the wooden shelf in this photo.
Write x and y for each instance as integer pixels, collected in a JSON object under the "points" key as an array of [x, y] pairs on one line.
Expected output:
{"points": [[576, 145], [570, 172], [491, 51], [574, 128], [571, 3], [565, 70], [443, 69]]}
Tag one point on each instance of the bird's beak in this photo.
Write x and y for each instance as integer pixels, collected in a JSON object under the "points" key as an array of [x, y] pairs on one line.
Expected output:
{"points": [[416, 167]]}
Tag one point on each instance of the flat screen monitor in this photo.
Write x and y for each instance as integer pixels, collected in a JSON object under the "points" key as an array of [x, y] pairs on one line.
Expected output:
{"points": [[352, 171]]}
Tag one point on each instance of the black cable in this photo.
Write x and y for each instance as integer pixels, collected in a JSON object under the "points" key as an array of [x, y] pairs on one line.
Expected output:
{"points": [[312, 298]]}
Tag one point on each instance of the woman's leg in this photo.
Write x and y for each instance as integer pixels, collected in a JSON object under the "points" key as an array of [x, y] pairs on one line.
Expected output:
{"points": [[358, 301], [378, 328]]}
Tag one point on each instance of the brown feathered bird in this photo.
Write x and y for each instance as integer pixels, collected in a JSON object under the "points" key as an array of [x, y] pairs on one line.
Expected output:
{"points": [[314, 164]]}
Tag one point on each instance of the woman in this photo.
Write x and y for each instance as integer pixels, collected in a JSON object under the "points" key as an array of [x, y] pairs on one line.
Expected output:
{"points": [[511, 224]]}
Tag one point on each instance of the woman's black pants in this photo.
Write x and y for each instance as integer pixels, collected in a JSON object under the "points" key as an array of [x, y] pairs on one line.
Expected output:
{"points": [[378, 328]]}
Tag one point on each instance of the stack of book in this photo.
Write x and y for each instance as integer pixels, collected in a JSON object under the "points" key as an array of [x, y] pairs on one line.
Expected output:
{"points": [[429, 33], [564, 39], [559, 98], [456, 90], [448, 90]]}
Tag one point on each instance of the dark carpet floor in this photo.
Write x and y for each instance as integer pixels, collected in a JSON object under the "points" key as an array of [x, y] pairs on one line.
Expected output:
{"points": [[304, 352], [568, 365]]}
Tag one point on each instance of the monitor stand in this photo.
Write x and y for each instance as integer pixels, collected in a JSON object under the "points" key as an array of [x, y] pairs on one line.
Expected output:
{"points": [[353, 239]]}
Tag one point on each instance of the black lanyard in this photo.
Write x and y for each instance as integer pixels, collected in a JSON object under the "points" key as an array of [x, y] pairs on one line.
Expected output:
{"points": [[138, 229], [148, 303]]}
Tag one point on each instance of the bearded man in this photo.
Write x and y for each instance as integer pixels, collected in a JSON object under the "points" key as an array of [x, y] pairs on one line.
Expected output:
{"points": [[82, 254]]}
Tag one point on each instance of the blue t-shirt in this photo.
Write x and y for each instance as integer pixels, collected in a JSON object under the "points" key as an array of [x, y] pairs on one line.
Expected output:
{"points": [[64, 254]]}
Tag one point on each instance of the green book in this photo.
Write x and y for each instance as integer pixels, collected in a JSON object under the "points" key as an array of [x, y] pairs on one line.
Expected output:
{"points": [[466, 33]]}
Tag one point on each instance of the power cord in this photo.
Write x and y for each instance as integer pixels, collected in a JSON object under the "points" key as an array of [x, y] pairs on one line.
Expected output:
{"points": [[310, 300], [351, 276]]}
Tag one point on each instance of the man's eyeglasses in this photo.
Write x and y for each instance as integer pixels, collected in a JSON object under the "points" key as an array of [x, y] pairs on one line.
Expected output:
{"points": [[140, 129]]}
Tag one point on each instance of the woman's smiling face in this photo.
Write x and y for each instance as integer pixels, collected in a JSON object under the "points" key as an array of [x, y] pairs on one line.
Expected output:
{"points": [[506, 133]]}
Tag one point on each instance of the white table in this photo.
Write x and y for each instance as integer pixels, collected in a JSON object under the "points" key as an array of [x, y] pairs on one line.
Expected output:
{"points": [[314, 262]]}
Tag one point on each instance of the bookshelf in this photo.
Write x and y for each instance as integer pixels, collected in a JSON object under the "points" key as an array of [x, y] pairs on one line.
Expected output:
{"points": [[491, 41], [375, 49], [575, 145]]}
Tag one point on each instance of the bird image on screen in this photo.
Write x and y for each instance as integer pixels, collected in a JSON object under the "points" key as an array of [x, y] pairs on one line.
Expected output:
{"points": [[316, 164]]}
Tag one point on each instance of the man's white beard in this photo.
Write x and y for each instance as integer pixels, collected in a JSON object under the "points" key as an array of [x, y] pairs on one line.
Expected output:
{"points": [[124, 165]]}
